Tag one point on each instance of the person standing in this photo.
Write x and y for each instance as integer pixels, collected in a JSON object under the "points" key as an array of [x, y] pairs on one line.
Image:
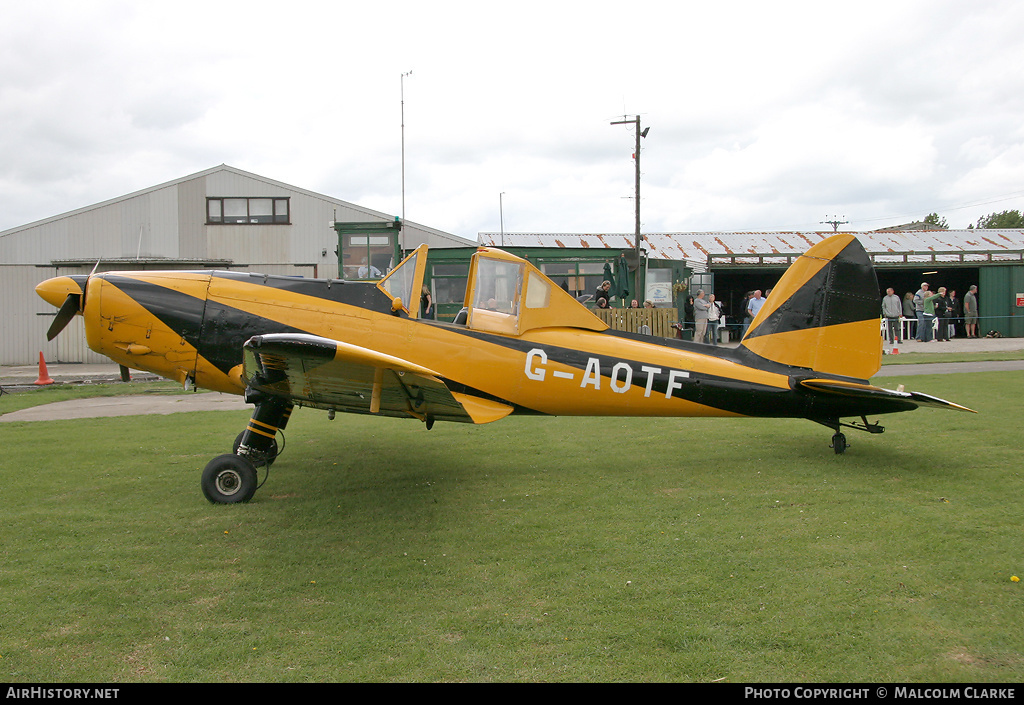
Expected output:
{"points": [[742, 318], [700, 317], [687, 314], [924, 321], [971, 311], [943, 313], [753, 306], [928, 305], [892, 308], [910, 314], [426, 304], [956, 309], [714, 318]]}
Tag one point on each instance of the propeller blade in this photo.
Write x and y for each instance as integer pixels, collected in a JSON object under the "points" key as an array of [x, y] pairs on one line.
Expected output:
{"points": [[68, 309], [85, 286]]}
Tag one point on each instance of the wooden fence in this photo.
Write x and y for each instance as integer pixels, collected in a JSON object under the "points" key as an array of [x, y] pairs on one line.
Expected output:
{"points": [[658, 320]]}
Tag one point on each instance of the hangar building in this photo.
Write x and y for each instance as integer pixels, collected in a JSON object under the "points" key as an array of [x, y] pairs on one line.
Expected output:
{"points": [[733, 263], [221, 218]]}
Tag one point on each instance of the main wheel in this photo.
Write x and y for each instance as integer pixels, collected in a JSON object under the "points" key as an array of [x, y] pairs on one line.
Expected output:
{"points": [[229, 479], [839, 443]]}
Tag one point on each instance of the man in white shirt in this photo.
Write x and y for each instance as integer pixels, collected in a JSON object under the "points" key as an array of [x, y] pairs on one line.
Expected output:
{"points": [[753, 306]]}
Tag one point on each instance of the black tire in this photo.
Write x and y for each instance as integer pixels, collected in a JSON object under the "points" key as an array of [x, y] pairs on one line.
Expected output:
{"points": [[839, 443], [271, 454], [229, 479]]}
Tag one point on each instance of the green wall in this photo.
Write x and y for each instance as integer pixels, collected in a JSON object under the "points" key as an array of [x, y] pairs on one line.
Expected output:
{"points": [[997, 290]]}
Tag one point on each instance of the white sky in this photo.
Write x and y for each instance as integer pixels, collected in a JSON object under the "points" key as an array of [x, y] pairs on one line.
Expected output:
{"points": [[766, 115]]}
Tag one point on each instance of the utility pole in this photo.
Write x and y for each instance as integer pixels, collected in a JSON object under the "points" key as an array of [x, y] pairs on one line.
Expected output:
{"points": [[835, 223], [636, 159]]}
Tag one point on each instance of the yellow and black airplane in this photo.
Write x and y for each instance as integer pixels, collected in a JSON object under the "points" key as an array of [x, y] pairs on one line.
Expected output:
{"points": [[522, 345]]}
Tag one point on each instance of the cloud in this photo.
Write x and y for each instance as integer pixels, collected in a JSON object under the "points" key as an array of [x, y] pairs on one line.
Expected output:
{"points": [[761, 114]]}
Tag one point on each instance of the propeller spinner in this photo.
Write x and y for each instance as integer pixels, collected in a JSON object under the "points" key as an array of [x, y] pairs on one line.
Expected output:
{"points": [[68, 294]]}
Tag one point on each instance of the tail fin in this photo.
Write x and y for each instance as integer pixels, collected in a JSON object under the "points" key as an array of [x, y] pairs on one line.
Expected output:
{"points": [[823, 314]]}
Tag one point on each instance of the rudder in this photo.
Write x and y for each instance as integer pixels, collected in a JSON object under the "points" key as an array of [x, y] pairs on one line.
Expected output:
{"points": [[823, 314]]}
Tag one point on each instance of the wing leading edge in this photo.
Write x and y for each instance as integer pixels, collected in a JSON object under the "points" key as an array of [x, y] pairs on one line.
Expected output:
{"points": [[330, 374]]}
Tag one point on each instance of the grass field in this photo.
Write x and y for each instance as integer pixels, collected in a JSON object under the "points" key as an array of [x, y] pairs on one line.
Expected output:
{"points": [[923, 358], [531, 549]]}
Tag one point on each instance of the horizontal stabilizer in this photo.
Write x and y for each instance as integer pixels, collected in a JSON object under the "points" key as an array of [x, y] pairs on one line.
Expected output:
{"points": [[869, 391]]}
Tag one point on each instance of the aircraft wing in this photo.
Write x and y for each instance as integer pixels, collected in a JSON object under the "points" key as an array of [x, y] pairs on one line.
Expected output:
{"points": [[330, 374]]}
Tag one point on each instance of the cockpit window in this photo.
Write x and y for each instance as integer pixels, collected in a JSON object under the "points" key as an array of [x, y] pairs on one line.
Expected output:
{"points": [[509, 296], [498, 284], [538, 291], [400, 281]]}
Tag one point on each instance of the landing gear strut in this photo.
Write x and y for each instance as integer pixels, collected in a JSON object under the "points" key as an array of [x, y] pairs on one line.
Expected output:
{"points": [[232, 478], [839, 444]]}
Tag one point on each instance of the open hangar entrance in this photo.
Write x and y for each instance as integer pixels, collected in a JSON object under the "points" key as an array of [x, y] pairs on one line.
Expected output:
{"points": [[731, 284], [733, 281], [903, 279]]}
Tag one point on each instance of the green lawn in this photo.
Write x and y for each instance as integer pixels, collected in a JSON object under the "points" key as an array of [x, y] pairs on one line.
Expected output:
{"points": [[921, 358], [531, 549]]}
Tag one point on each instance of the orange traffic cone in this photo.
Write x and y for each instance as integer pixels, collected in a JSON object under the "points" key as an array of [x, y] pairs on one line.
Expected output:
{"points": [[44, 376]]}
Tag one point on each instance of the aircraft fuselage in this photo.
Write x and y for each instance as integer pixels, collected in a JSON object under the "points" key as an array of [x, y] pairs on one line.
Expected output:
{"points": [[190, 326]]}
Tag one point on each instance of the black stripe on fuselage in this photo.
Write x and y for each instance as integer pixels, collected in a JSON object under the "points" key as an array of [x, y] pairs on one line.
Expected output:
{"points": [[362, 294], [216, 331], [725, 393], [181, 312], [710, 390]]}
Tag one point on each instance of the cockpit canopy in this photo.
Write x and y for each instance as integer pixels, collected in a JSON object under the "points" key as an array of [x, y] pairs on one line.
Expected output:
{"points": [[505, 294]]}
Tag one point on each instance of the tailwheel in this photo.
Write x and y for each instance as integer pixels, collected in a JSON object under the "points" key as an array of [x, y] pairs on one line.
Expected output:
{"points": [[839, 443], [229, 479]]}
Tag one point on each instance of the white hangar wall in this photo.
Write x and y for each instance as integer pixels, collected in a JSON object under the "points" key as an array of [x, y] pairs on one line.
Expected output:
{"points": [[165, 227]]}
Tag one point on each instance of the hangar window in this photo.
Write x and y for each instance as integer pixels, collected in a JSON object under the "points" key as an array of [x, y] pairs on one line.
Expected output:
{"points": [[448, 283], [577, 278], [248, 211]]}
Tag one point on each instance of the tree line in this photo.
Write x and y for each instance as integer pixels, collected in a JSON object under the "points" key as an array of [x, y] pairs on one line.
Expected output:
{"points": [[992, 221]]}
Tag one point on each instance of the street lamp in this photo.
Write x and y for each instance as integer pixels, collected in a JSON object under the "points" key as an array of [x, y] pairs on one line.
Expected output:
{"points": [[402, 80]]}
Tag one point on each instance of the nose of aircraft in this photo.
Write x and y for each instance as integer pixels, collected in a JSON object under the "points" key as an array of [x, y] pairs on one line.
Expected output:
{"points": [[55, 291]]}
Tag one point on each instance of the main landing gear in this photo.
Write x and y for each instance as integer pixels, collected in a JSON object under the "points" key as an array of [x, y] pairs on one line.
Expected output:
{"points": [[232, 478], [839, 443]]}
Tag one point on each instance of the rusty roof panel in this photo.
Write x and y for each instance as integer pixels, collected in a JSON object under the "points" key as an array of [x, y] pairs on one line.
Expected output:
{"points": [[697, 247]]}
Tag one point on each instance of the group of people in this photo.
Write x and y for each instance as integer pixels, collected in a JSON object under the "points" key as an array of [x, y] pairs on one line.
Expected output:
{"points": [[707, 316], [926, 307], [603, 296]]}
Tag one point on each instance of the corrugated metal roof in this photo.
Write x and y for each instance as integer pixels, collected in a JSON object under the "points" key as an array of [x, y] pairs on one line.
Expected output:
{"points": [[697, 247]]}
